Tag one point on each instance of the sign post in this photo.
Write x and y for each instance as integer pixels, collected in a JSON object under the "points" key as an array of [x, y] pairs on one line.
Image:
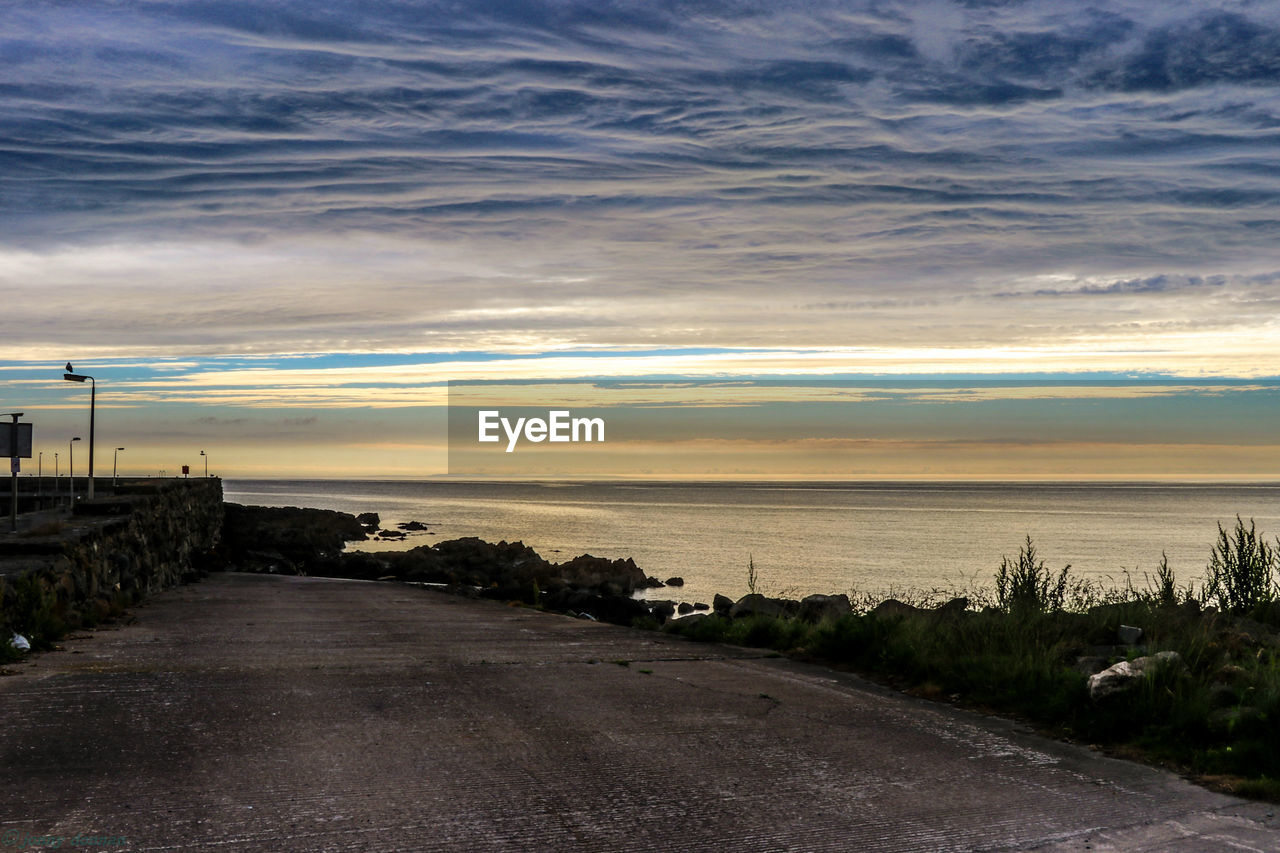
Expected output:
{"points": [[15, 438]]}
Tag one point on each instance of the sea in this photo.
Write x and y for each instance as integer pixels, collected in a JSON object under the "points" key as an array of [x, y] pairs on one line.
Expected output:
{"points": [[864, 539]]}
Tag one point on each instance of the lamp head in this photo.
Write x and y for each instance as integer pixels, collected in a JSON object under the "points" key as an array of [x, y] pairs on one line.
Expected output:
{"points": [[77, 438], [74, 377]]}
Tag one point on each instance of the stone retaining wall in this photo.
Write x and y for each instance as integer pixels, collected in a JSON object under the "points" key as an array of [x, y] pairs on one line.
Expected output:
{"points": [[79, 568]]}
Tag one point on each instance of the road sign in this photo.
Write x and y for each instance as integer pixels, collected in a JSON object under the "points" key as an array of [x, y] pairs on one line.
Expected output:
{"points": [[15, 440]]}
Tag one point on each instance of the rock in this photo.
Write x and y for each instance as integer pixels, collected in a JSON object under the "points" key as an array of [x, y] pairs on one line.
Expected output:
{"points": [[755, 604], [412, 525], [674, 581], [362, 565], [662, 610], [722, 604], [369, 520], [687, 623], [618, 609], [1129, 635], [299, 536], [955, 606], [391, 534], [1110, 611], [1223, 696], [892, 607], [602, 573], [1090, 664], [818, 608], [700, 605], [1125, 675], [684, 608]]}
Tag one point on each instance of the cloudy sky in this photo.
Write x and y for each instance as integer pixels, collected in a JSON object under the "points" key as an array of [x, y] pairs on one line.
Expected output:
{"points": [[273, 230]]}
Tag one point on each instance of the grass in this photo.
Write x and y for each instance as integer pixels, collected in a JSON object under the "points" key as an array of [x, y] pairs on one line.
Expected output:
{"points": [[1018, 652], [29, 611]]}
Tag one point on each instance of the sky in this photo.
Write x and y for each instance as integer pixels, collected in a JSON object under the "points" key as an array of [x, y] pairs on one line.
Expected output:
{"points": [[276, 231]]}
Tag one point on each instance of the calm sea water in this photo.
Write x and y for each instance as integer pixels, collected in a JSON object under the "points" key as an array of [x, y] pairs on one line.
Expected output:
{"points": [[807, 537]]}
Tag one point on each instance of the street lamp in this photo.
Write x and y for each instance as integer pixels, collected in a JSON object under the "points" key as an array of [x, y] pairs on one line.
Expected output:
{"points": [[206, 463], [40, 474], [114, 457], [72, 376], [71, 468]]}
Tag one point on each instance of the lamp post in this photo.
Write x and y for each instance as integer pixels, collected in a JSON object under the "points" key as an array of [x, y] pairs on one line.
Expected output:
{"points": [[40, 474], [206, 464], [115, 457], [13, 472], [72, 376], [71, 469]]}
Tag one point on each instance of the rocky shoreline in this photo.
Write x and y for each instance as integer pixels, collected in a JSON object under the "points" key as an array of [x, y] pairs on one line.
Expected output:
{"points": [[304, 541]]}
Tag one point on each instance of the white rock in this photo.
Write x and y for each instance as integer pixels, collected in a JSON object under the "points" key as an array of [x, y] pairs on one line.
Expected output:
{"points": [[1125, 675]]}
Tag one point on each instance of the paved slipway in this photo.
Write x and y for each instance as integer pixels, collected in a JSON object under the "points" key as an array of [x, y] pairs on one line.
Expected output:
{"points": [[268, 713]]}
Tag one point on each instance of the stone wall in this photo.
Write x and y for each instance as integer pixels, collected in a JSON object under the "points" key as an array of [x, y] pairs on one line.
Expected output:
{"points": [[80, 568]]}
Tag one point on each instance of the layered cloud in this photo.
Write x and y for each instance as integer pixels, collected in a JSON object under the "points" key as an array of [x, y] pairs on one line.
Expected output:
{"points": [[251, 177], [281, 224]]}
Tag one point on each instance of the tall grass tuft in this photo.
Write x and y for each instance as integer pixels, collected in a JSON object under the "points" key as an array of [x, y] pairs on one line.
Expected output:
{"points": [[1163, 588], [1240, 574], [1027, 586]]}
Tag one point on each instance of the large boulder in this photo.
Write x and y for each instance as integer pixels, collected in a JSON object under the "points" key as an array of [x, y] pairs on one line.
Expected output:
{"points": [[662, 609], [615, 576], [1126, 675], [756, 604], [618, 609], [503, 570], [818, 608], [893, 608], [295, 537]]}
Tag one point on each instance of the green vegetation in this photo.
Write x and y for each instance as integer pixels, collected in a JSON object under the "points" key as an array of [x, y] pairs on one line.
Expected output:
{"points": [[29, 611], [1027, 586], [1241, 572], [1030, 651]]}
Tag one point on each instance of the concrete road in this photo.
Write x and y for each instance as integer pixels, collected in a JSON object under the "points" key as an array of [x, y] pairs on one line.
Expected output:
{"points": [[296, 714]]}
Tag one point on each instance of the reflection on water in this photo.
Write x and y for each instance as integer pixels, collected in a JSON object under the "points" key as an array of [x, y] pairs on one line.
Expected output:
{"points": [[811, 537]]}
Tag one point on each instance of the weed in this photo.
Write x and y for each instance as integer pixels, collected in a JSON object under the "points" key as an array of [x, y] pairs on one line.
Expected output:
{"points": [[1239, 576], [1027, 586], [1163, 588], [31, 613]]}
